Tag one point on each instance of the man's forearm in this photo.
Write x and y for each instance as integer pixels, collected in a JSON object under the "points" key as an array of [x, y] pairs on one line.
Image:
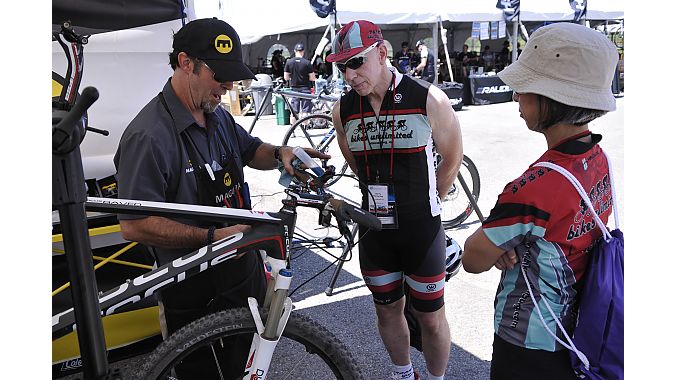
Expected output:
{"points": [[447, 172], [264, 158], [161, 232]]}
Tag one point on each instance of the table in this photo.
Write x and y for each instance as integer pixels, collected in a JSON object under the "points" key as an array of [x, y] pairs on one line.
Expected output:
{"points": [[486, 89]]}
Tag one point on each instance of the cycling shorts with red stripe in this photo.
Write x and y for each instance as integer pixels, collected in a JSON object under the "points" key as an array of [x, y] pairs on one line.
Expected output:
{"points": [[415, 253]]}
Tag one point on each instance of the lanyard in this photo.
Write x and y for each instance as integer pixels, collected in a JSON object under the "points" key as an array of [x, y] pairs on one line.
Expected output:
{"points": [[366, 137]]}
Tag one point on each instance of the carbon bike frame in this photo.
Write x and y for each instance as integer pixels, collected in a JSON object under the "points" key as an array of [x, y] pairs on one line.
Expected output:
{"points": [[271, 232]]}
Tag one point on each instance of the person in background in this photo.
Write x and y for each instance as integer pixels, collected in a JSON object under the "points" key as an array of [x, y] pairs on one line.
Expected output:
{"points": [[277, 62], [387, 126], [463, 57], [300, 75], [540, 225], [183, 147], [487, 59], [504, 58], [426, 66], [402, 58]]}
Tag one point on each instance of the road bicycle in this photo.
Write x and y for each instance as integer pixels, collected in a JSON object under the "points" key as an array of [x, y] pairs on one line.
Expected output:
{"points": [[317, 131], [302, 348], [322, 101]]}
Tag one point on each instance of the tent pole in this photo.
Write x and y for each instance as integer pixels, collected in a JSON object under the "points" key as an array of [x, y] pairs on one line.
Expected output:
{"points": [[444, 40], [515, 39], [435, 51], [333, 24]]}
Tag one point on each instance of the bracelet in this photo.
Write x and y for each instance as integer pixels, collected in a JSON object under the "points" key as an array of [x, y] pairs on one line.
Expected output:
{"points": [[276, 153], [210, 235]]}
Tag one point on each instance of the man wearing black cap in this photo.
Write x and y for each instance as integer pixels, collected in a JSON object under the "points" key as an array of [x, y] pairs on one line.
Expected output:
{"points": [[183, 148], [300, 73]]}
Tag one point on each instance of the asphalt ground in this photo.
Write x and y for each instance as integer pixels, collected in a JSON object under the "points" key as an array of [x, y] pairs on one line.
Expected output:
{"points": [[497, 140]]}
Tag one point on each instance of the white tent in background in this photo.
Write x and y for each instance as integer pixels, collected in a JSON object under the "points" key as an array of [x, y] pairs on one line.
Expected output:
{"points": [[546, 10], [605, 9], [279, 17]]}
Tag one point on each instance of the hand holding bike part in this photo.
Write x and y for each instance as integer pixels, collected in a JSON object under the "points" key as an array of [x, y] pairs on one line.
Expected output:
{"points": [[309, 162]]}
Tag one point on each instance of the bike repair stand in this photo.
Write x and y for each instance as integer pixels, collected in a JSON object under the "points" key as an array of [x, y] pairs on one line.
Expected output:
{"points": [[471, 198], [339, 266], [68, 197]]}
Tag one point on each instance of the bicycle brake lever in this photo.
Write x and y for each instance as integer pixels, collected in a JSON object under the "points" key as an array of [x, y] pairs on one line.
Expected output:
{"points": [[319, 182]]}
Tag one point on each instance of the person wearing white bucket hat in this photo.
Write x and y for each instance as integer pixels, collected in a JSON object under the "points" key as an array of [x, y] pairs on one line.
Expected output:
{"points": [[562, 82]]}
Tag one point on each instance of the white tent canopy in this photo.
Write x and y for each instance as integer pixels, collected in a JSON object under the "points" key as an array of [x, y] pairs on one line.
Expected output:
{"points": [[278, 17], [254, 20], [546, 10], [605, 9]]}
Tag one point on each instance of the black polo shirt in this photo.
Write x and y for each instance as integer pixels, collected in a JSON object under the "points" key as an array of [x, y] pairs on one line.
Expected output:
{"points": [[300, 69], [152, 163]]}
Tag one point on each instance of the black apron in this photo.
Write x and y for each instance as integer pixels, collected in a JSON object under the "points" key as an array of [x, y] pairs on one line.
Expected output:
{"points": [[229, 284], [219, 183]]}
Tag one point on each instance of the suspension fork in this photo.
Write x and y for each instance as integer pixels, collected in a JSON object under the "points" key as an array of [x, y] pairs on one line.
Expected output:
{"points": [[277, 302]]}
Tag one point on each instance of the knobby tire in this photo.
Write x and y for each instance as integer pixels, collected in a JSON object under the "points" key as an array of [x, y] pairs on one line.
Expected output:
{"points": [[330, 354]]}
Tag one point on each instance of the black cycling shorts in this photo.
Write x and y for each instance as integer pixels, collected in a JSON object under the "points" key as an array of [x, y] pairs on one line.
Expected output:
{"points": [[415, 253]]}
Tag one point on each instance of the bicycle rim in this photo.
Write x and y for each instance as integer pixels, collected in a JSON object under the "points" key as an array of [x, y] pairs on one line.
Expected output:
{"points": [[305, 350], [316, 131], [456, 208]]}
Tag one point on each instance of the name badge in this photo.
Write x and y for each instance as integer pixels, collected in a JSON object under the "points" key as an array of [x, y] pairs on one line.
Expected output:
{"points": [[382, 204]]}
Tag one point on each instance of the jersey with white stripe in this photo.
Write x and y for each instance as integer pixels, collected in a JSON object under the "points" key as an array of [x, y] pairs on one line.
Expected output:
{"points": [[401, 133]]}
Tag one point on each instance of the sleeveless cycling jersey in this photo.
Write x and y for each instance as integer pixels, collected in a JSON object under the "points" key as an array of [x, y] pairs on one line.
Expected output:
{"points": [[409, 164]]}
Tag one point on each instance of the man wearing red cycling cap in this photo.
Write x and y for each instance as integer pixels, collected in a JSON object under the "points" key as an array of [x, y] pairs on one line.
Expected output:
{"points": [[387, 127]]}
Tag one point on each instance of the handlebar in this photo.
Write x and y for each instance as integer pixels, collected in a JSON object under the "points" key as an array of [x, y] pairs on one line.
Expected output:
{"points": [[343, 212], [63, 132]]}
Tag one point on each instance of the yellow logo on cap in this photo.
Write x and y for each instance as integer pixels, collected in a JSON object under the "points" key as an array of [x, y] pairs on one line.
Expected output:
{"points": [[227, 180], [223, 44]]}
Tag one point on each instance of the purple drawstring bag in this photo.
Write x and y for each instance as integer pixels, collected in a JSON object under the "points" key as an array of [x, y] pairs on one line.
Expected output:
{"points": [[600, 325]]}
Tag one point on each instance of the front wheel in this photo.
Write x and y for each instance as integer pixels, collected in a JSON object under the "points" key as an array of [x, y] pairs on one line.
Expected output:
{"points": [[456, 207], [306, 349]]}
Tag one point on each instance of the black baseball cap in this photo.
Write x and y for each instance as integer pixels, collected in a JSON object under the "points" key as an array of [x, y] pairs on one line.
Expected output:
{"points": [[215, 42], [299, 47]]}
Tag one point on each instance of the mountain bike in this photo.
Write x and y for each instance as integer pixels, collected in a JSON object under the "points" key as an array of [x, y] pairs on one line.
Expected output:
{"points": [[271, 233], [302, 348], [317, 131]]}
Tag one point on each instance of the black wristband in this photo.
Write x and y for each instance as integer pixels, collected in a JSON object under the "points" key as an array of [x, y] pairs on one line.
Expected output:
{"points": [[276, 153], [210, 235]]}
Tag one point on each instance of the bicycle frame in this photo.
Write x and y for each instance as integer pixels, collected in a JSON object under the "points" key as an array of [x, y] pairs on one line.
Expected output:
{"points": [[284, 93], [272, 234]]}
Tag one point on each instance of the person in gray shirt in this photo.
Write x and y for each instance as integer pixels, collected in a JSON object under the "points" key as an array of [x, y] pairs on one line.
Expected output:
{"points": [[183, 147]]}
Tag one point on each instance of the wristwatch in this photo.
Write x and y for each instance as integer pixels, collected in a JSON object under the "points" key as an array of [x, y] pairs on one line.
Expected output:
{"points": [[276, 153]]}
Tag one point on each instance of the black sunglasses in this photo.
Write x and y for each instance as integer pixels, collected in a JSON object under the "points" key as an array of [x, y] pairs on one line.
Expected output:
{"points": [[217, 79], [353, 64]]}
